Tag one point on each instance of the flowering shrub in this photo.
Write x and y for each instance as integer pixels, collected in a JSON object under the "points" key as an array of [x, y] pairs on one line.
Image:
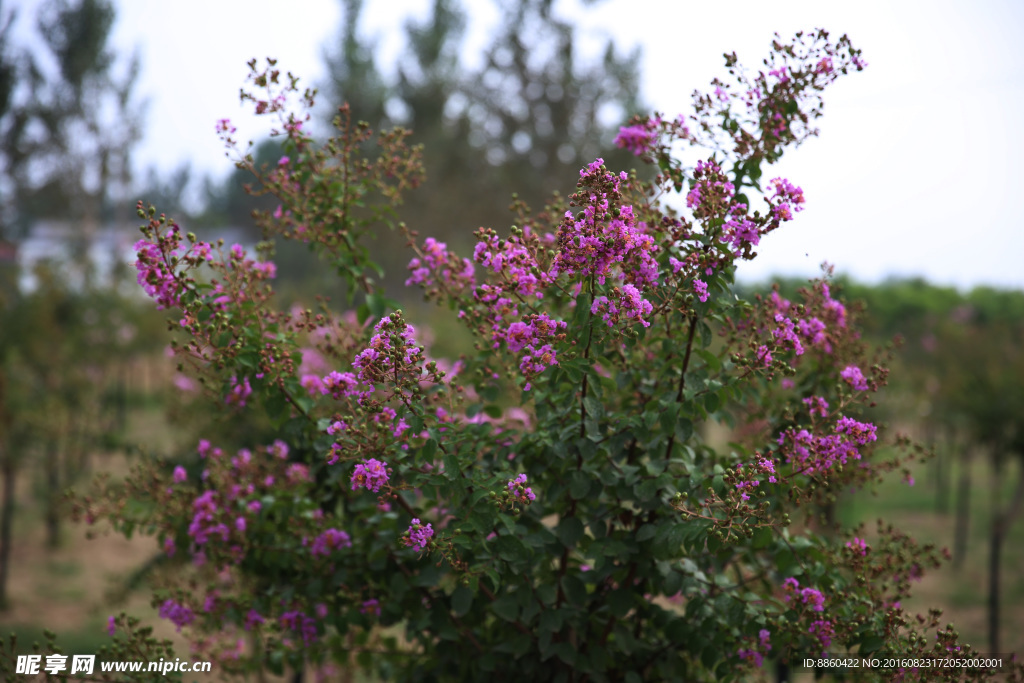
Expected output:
{"points": [[397, 492]]}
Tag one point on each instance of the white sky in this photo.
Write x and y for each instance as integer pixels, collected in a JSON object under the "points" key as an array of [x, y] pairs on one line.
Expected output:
{"points": [[915, 171]]}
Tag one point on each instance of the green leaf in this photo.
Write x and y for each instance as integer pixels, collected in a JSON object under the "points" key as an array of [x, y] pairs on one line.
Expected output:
{"points": [[428, 576], [493, 576], [462, 600], [506, 607], [647, 531], [705, 335], [594, 408], [579, 485], [668, 417], [684, 429], [712, 361], [511, 549], [647, 489], [276, 406], [620, 601], [547, 594], [551, 620], [570, 531], [762, 538], [428, 450], [582, 310], [871, 643], [451, 466], [566, 652], [377, 304], [574, 589]]}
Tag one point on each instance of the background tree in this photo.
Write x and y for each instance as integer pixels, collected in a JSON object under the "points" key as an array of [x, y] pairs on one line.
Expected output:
{"points": [[528, 119], [69, 122]]}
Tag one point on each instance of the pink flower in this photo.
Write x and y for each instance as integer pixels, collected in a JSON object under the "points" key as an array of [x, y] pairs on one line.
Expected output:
{"points": [[418, 536], [519, 489], [370, 475], [637, 138], [858, 545], [852, 375], [700, 288], [329, 541]]}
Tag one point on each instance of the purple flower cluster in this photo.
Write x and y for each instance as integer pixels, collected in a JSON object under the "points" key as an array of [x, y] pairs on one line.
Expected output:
{"points": [[739, 231], [852, 375], [858, 546], [811, 453], [605, 233], [390, 420], [329, 541], [862, 433], [817, 405], [812, 331], [761, 466], [787, 199], [516, 265], [253, 619], [371, 607], [823, 630], [155, 275], [177, 614], [808, 596], [392, 353], [438, 262], [520, 490], [754, 655], [711, 194], [204, 519], [532, 337], [700, 288], [628, 303], [638, 138], [240, 391], [299, 622], [785, 333], [337, 384], [370, 475], [418, 535]]}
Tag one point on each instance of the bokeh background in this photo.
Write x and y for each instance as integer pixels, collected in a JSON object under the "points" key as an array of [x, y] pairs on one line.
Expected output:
{"points": [[913, 192]]}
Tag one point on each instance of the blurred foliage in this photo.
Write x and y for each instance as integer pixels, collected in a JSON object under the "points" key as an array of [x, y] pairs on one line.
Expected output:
{"points": [[528, 119], [68, 122]]}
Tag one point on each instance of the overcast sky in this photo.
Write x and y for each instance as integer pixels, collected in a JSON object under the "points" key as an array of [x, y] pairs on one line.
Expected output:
{"points": [[916, 171]]}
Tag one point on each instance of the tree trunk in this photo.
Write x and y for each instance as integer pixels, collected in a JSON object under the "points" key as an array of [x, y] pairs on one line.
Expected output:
{"points": [[963, 512], [52, 493], [6, 521], [942, 468], [995, 550], [1001, 521], [122, 397]]}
